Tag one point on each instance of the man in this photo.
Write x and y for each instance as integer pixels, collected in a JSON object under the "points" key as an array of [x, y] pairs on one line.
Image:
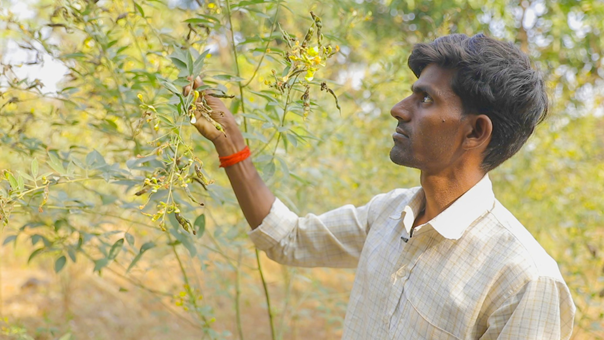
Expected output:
{"points": [[445, 260]]}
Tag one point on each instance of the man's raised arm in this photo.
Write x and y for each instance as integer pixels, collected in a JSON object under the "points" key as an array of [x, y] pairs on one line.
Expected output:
{"points": [[333, 239], [253, 195]]}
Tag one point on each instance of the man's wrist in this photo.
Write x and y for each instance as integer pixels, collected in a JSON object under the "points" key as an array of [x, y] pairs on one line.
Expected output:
{"points": [[228, 145]]}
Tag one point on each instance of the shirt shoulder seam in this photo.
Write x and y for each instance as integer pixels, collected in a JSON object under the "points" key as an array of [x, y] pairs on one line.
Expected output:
{"points": [[534, 264], [538, 273]]}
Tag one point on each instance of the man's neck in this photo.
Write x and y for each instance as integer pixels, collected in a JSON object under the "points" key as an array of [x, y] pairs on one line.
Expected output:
{"points": [[442, 190]]}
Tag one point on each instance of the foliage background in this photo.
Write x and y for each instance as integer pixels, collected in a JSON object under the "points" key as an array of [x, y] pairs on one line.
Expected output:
{"points": [[80, 131]]}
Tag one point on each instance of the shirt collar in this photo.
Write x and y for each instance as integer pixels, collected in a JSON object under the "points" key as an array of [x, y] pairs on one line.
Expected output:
{"points": [[453, 221]]}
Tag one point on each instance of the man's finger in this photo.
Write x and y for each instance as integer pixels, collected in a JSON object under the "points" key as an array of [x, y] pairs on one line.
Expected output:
{"points": [[198, 82]]}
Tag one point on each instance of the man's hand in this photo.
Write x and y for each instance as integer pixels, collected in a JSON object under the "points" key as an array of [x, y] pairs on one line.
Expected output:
{"points": [[228, 141], [253, 195]]}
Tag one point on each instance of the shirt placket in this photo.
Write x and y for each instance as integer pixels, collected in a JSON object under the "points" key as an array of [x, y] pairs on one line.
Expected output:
{"points": [[410, 255]]}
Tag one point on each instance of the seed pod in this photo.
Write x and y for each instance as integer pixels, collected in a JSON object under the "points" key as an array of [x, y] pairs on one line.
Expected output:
{"points": [[143, 191], [309, 34], [325, 88], [221, 95], [44, 199], [186, 225], [306, 101], [319, 25], [317, 20], [286, 36]]}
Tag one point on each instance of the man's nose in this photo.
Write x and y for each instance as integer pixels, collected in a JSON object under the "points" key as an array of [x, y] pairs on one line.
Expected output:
{"points": [[401, 110]]}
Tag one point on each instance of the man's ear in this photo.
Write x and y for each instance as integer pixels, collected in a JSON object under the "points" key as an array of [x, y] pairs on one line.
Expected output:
{"points": [[479, 132]]}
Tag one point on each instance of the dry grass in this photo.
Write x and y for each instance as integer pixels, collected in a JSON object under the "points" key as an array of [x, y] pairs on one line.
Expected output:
{"points": [[90, 306], [77, 301]]}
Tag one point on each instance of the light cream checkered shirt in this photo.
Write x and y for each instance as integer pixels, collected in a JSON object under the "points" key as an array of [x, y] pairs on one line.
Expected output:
{"points": [[473, 272]]}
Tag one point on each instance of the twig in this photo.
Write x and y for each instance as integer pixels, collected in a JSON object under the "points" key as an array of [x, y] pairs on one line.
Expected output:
{"points": [[268, 300]]}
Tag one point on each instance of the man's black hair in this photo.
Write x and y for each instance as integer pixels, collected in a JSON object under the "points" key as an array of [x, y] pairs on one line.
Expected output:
{"points": [[493, 78]]}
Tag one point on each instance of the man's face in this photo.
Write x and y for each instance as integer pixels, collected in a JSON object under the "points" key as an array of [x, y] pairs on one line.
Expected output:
{"points": [[429, 134]]}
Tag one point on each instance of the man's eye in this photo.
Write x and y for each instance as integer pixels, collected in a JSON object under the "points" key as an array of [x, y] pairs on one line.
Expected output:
{"points": [[427, 99]]}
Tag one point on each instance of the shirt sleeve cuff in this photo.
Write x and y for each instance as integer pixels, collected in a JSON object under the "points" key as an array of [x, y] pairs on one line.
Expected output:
{"points": [[279, 222]]}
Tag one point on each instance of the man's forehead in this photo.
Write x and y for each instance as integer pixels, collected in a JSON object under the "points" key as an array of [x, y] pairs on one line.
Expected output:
{"points": [[436, 80]]}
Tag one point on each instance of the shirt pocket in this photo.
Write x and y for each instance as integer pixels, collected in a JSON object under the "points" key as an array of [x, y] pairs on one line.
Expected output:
{"points": [[439, 299], [413, 325]]}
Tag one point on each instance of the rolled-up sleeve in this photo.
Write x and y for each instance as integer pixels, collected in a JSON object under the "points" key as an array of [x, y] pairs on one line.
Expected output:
{"points": [[333, 239], [542, 309]]}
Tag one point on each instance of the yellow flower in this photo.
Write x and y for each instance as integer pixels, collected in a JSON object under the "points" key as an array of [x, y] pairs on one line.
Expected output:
{"points": [[310, 74], [313, 51]]}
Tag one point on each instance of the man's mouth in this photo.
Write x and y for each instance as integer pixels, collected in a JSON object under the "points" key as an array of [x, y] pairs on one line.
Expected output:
{"points": [[400, 133]]}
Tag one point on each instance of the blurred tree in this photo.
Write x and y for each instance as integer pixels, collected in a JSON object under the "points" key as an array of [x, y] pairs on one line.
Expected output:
{"points": [[74, 160]]}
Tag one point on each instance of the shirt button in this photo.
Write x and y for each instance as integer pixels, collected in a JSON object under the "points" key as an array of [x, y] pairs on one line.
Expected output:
{"points": [[401, 272]]}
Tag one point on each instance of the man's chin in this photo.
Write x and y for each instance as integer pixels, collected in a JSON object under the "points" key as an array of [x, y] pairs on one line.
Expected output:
{"points": [[397, 158], [402, 159]]}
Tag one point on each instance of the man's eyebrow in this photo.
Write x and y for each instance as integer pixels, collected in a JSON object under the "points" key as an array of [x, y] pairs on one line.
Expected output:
{"points": [[425, 89]]}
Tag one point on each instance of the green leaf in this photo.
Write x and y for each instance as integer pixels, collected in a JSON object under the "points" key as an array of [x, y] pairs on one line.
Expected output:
{"points": [[171, 87], [198, 65], [60, 263], [100, 264], [9, 239], [190, 63], [12, 180], [255, 136], [143, 249], [147, 246], [284, 167], [180, 55], [74, 55], [34, 168], [95, 160], [269, 96], [139, 9], [210, 18], [67, 336], [56, 164], [227, 77], [185, 240], [200, 224], [198, 21], [269, 170], [34, 254], [20, 183], [129, 238], [35, 238], [291, 138], [134, 261], [26, 176], [246, 3], [180, 65], [72, 254], [115, 249]]}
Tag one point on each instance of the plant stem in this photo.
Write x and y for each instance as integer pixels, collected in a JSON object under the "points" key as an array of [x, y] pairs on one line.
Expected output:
{"points": [[289, 279], [232, 30], [268, 300], [285, 107], [132, 281], [266, 46], [188, 287], [245, 128], [238, 295]]}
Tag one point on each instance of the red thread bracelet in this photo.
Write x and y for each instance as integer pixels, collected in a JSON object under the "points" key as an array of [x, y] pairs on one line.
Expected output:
{"points": [[235, 158]]}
